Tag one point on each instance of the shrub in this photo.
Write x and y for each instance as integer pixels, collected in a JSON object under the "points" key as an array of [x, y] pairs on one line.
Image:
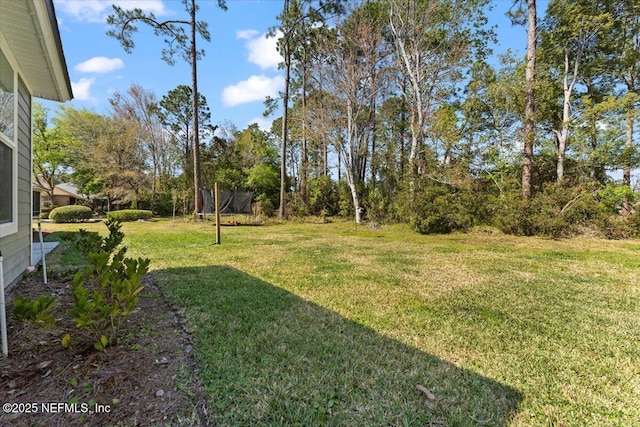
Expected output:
{"points": [[105, 293], [163, 204], [437, 207], [90, 242], [558, 212], [345, 200], [633, 223], [322, 194], [37, 312], [73, 213], [265, 208], [129, 215]]}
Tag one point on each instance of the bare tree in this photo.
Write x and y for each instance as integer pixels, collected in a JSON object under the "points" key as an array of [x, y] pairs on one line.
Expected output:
{"points": [[570, 33], [433, 42]]}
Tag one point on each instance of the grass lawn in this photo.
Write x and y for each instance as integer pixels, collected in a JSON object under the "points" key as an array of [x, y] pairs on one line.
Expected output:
{"points": [[323, 324]]}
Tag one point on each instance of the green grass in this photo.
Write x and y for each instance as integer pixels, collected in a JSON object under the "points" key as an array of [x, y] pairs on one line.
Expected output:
{"points": [[325, 324]]}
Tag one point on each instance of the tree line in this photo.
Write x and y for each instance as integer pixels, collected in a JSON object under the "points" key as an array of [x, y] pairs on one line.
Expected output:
{"points": [[396, 110], [140, 153]]}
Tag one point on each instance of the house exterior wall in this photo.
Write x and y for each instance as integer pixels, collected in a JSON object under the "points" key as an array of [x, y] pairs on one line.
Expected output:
{"points": [[32, 64], [16, 248], [64, 200]]}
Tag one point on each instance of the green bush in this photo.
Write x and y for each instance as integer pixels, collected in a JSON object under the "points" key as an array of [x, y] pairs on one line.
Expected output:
{"points": [[90, 241], [436, 207], [345, 200], [105, 293], [37, 312], [73, 213], [129, 215], [322, 194], [163, 204], [559, 212], [265, 208]]}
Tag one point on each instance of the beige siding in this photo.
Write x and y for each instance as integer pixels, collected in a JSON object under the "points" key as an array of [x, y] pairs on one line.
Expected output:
{"points": [[16, 249]]}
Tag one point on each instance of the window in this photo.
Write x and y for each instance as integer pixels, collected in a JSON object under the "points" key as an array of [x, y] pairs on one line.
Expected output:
{"points": [[8, 178], [6, 184], [6, 98]]}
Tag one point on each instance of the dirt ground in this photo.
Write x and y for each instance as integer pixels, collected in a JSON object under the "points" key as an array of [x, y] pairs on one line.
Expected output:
{"points": [[147, 380]]}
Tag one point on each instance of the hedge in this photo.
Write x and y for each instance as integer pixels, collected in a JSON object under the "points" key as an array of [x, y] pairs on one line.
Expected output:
{"points": [[72, 213], [129, 215]]}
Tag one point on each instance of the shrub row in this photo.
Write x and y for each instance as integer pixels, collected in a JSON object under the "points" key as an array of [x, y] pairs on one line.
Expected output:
{"points": [[77, 213], [554, 211], [129, 215]]}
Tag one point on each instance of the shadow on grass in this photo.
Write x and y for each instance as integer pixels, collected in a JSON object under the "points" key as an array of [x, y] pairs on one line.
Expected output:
{"points": [[269, 357]]}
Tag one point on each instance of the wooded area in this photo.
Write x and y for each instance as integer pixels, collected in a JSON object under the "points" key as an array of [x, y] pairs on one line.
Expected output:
{"points": [[394, 110]]}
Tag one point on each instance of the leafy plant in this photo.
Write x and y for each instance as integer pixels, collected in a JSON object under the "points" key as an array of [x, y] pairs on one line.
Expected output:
{"points": [[74, 213], [91, 242], [105, 293], [37, 312], [129, 215]]}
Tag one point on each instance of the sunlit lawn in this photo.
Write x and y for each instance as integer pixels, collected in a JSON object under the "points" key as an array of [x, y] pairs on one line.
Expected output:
{"points": [[326, 324]]}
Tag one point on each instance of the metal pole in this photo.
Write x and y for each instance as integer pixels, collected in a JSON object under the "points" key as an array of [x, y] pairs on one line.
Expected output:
{"points": [[44, 261], [3, 312]]}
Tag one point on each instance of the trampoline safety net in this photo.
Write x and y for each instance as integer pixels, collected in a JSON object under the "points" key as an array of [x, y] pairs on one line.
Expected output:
{"points": [[231, 202]]}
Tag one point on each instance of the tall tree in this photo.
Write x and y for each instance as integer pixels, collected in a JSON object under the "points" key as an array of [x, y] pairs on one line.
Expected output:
{"points": [[571, 32], [178, 41], [139, 106], [52, 152], [107, 160], [176, 113], [434, 42], [296, 20], [516, 13], [285, 50], [624, 52], [353, 81]]}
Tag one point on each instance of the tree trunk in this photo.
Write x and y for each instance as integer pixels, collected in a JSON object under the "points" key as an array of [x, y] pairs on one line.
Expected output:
{"points": [[373, 122], [355, 197], [304, 161], [529, 115], [285, 111], [628, 145], [561, 145], [563, 135], [197, 200]]}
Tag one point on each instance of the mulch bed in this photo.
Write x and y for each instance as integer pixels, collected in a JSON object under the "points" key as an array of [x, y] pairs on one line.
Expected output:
{"points": [[147, 380]]}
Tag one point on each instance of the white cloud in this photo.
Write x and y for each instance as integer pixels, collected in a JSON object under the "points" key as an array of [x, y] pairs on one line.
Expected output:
{"points": [[263, 123], [100, 64], [255, 88], [263, 50], [246, 34], [97, 10], [82, 88]]}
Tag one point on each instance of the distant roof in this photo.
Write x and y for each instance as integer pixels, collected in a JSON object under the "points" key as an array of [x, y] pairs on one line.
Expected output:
{"points": [[63, 189], [31, 30], [67, 189]]}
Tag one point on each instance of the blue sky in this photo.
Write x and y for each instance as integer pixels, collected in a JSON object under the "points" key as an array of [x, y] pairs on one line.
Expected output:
{"points": [[239, 69]]}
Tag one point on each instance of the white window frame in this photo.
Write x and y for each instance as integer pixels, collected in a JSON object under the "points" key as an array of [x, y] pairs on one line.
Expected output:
{"points": [[10, 228]]}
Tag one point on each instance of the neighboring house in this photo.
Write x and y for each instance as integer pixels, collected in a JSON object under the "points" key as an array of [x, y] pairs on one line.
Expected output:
{"points": [[66, 194], [63, 194], [32, 64]]}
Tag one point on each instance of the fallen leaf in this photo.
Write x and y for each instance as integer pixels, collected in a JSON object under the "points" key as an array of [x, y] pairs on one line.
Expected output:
{"points": [[426, 392], [45, 364]]}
